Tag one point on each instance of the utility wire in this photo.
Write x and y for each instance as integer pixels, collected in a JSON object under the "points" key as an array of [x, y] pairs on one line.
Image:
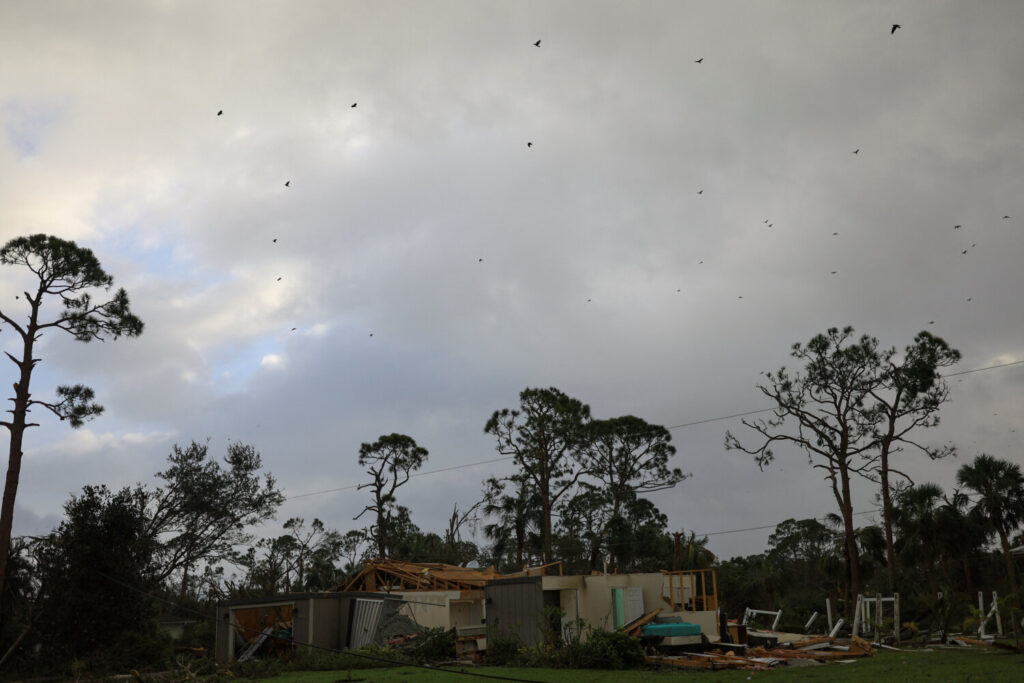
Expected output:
{"points": [[682, 425]]}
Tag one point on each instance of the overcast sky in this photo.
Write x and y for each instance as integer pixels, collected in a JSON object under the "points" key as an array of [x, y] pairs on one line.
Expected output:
{"points": [[624, 257]]}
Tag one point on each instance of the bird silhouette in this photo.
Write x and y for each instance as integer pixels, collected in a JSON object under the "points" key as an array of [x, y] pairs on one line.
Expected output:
{"points": [[857, 151], [529, 144], [537, 44], [353, 105], [968, 298], [371, 334], [931, 322], [287, 183], [588, 301], [964, 251], [702, 262], [834, 234], [479, 260], [834, 272], [294, 328], [274, 240], [740, 297], [894, 27], [1005, 217], [700, 191], [278, 279], [957, 227], [771, 225], [220, 112], [699, 61], [679, 290]]}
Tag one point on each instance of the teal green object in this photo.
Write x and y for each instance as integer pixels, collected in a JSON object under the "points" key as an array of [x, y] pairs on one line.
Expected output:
{"points": [[665, 630], [618, 607]]}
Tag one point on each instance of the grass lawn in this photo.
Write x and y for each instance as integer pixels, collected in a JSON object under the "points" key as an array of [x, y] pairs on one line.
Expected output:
{"points": [[962, 664]]}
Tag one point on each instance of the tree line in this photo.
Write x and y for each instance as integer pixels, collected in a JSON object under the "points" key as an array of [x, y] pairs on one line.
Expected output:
{"points": [[577, 494]]}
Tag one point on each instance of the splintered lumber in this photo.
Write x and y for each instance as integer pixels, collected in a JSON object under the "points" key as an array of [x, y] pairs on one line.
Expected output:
{"points": [[859, 646], [633, 627]]}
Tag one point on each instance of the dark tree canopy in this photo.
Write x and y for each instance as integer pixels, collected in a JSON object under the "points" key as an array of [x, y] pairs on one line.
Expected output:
{"points": [[998, 495], [548, 435], [65, 273], [389, 461], [821, 411], [204, 506], [95, 572]]}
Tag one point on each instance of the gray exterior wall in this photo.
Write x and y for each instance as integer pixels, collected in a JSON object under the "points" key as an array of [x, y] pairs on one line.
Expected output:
{"points": [[318, 619], [515, 609]]}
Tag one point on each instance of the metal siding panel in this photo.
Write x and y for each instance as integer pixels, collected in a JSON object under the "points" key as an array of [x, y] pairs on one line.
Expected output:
{"points": [[365, 620]]}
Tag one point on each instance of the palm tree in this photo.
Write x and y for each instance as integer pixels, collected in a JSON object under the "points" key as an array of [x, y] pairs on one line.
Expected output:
{"points": [[916, 516], [999, 489], [965, 531], [513, 534]]}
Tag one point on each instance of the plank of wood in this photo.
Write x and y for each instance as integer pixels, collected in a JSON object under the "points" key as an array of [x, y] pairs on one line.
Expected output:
{"points": [[633, 627]]}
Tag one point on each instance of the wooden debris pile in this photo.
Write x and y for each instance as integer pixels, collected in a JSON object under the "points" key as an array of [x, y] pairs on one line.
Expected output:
{"points": [[820, 649]]}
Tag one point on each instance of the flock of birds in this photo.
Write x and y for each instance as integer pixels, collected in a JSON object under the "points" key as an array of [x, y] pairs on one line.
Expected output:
{"points": [[700, 192]]}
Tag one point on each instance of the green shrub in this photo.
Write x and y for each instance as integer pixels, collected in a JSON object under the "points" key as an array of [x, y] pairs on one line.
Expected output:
{"points": [[501, 650], [603, 650], [433, 645]]}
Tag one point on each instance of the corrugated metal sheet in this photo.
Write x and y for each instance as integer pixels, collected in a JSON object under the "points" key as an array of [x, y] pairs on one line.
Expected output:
{"points": [[365, 621]]}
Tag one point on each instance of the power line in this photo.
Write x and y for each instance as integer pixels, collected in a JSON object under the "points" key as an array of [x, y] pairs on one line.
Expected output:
{"points": [[682, 425]]}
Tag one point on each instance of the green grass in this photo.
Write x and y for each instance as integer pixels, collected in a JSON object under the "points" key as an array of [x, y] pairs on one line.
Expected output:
{"points": [[965, 664]]}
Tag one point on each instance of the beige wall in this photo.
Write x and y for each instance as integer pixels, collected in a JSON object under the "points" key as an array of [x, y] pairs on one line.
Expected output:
{"points": [[594, 598], [443, 609]]}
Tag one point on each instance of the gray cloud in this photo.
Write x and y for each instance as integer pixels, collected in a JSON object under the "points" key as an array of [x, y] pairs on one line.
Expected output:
{"points": [[393, 203]]}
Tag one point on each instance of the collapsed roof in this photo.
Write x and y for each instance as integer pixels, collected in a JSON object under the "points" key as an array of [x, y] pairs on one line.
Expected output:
{"points": [[395, 575]]}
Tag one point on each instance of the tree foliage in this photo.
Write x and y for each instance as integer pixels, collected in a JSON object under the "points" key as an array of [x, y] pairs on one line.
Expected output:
{"points": [[547, 436], [96, 572], [389, 461], [65, 273], [204, 508], [998, 488]]}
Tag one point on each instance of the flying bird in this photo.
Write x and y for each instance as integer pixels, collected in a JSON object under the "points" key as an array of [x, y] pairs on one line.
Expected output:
{"points": [[278, 279], [700, 191], [479, 260], [588, 301], [771, 225], [968, 298], [702, 262], [834, 234], [274, 240], [294, 328], [371, 334], [894, 27], [537, 44], [220, 112], [287, 183], [834, 272], [529, 144], [931, 322], [740, 297], [964, 251], [857, 151], [353, 105], [698, 61], [1005, 217], [957, 227]]}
